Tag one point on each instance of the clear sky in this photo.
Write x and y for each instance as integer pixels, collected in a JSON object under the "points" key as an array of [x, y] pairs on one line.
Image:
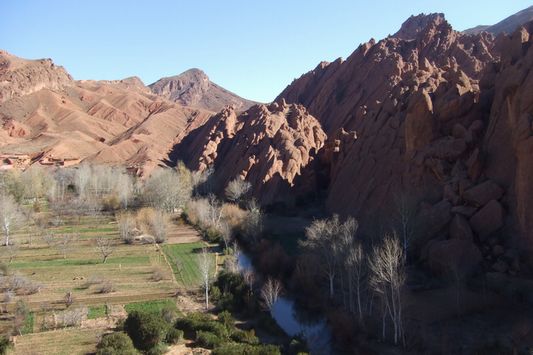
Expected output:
{"points": [[254, 48]]}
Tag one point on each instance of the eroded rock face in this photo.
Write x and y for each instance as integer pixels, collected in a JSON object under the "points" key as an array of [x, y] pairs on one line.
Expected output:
{"points": [[412, 100], [267, 145], [19, 77], [193, 88], [437, 114]]}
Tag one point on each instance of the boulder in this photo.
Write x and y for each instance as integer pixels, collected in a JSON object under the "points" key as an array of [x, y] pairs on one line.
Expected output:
{"points": [[487, 220], [460, 229], [480, 194], [433, 219], [453, 257], [466, 211]]}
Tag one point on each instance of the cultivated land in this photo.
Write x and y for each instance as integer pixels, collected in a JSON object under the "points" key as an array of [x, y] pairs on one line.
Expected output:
{"points": [[129, 269]]}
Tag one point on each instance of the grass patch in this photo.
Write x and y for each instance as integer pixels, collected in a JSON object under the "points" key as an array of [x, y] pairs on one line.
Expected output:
{"points": [[97, 312], [27, 328], [80, 262], [154, 307], [187, 255]]}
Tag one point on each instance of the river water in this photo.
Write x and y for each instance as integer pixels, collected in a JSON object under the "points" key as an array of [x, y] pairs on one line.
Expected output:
{"points": [[294, 321]]}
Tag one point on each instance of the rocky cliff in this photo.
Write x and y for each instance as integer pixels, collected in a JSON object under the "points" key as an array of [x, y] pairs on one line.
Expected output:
{"points": [[433, 115], [267, 145]]}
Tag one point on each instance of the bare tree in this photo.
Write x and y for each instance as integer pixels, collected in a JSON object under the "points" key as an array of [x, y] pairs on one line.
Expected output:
{"points": [[69, 299], [64, 243], [253, 223], [226, 233], [168, 189], [124, 188], [236, 189], [126, 225], [249, 279], [322, 240], [405, 218], [206, 264], [82, 178], [270, 292], [105, 247], [355, 264], [10, 216], [158, 226], [387, 266]]}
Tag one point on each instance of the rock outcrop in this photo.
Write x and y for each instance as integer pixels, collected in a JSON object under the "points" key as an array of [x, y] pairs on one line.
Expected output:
{"points": [[19, 77], [268, 145], [437, 115], [193, 88]]}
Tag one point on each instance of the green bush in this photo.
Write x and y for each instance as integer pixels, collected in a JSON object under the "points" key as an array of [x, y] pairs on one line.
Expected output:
{"points": [[226, 319], [146, 330], [239, 349], [197, 321], [245, 336], [212, 235], [5, 344], [214, 294], [116, 344], [174, 336], [208, 340]]}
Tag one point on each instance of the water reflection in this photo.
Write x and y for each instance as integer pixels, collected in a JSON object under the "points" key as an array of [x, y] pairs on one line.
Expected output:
{"points": [[294, 321]]}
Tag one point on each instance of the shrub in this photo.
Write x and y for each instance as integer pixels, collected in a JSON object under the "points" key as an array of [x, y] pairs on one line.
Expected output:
{"points": [[146, 330], [226, 319], [214, 293], [208, 340], [106, 287], [5, 344], [158, 274], [238, 349], [197, 321], [245, 336], [169, 313], [111, 203], [116, 344], [174, 336], [212, 235]]}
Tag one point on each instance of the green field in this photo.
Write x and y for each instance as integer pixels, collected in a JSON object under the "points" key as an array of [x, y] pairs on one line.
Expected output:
{"points": [[129, 269], [152, 306], [187, 254]]}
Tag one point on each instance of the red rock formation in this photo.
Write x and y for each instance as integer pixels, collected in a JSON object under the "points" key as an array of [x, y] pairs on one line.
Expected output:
{"points": [[19, 77], [193, 88], [436, 114], [268, 146]]}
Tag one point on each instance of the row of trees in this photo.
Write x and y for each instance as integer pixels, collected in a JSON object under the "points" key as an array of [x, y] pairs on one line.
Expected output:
{"points": [[354, 276]]}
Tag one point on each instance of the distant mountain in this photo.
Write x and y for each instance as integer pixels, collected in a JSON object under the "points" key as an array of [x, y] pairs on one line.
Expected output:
{"points": [[193, 88], [45, 114], [507, 25]]}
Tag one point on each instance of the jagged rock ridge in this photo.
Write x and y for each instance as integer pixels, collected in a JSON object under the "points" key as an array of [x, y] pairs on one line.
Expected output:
{"points": [[267, 145]]}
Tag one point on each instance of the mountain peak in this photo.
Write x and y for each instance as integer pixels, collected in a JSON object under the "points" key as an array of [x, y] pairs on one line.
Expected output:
{"points": [[193, 88], [416, 24]]}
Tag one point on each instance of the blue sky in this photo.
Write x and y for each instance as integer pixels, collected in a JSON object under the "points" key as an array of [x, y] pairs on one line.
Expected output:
{"points": [[254, 48]]}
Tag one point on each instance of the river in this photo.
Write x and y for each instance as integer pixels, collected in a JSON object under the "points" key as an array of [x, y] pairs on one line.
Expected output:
{"points": [[294, 321]]}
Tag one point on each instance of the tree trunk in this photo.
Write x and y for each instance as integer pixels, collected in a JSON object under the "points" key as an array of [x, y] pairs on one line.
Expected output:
{"points": [[206, 296], [331, 287]]}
